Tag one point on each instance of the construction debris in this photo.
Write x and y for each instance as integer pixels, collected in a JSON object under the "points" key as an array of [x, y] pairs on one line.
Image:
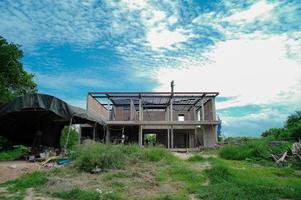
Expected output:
{"points": [[293, 153]]}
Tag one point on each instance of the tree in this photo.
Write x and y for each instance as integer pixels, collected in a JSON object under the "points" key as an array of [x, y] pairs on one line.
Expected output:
{"points": [[14, 80], [73, 137], [293, 119]]}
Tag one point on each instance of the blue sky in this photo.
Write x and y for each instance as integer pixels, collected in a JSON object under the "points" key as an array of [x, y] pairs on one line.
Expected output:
{"points": [[249, 51]]}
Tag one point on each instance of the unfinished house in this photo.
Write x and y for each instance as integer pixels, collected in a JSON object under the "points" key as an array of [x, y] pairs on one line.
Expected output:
{"points": [[173, 119]]}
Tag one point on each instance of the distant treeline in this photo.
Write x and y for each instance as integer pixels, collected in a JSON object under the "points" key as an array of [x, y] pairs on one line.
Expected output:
{"points": [[290, 131]]}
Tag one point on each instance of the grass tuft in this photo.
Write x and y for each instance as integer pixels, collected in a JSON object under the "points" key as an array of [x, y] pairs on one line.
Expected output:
{"points": [[196, 158], [78, 194]]}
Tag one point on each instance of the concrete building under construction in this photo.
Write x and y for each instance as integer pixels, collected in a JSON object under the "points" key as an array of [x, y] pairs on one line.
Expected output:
{"points": [[175, 119]]}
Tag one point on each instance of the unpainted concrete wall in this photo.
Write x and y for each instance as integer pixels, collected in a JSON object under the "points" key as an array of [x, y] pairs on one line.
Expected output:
{"points": [[96, 108], [209, 135]]}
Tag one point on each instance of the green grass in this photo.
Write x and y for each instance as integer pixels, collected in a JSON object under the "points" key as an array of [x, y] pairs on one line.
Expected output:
{"points": [[18, 152], [159, 171], [35, 179], [78, 194], [92, 154], [18, 186], [254, 149], [242, 180], [196, 158]]}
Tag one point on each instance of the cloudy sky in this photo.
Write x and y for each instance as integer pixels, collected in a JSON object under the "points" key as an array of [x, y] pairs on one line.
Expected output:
{"points": [[249, 51]]}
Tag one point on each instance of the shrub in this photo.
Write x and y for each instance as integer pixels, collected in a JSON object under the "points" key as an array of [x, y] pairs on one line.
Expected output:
{"points": [[18, 152], [156, 154], [250, 149]]}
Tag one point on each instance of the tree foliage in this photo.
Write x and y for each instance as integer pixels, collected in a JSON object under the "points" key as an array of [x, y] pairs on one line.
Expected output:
{"points": [[14, 80], [293, 119], [291, 130], [73, 137]]}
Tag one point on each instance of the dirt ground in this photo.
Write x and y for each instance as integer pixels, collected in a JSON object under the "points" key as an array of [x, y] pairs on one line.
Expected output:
{"points": [[10, 170]]}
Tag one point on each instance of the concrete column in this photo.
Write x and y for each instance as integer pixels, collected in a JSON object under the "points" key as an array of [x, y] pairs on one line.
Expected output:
{"points": [[204, 138], [108, 135], [140, 110], [167, 116], [168, 138], [195, 137], [132, 110], [171, 128], [108, 107], [203, 112], [79, 135], [195, 117], [94, 132], [171, 138], [140, 136], [213, 109]]}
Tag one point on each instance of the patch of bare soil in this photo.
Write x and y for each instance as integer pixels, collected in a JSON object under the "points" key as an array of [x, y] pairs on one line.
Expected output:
{"points": [[10, 170], [183, 156]]}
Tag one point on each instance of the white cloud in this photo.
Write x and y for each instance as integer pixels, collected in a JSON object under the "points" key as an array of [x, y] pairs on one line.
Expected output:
{"points": [[261, 9], [255, 71], [165, 38]]}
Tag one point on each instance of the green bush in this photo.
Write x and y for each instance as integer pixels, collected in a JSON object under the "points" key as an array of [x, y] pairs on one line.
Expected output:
{"points": [[18, 152], [250, 149], [92, 154], [73, 137], [291, 130]]}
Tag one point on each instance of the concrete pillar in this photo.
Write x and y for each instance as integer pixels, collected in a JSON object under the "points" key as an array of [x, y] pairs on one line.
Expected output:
{"points": [[94, 131], [140, 109], [195, 117], [168, 138], [213, 109], [108, 141], [132, 110], [108, 107], [79, 135], [171, 128], [204, 138], [140, 136], [171, 138], [203, 112], [195, 138]]}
